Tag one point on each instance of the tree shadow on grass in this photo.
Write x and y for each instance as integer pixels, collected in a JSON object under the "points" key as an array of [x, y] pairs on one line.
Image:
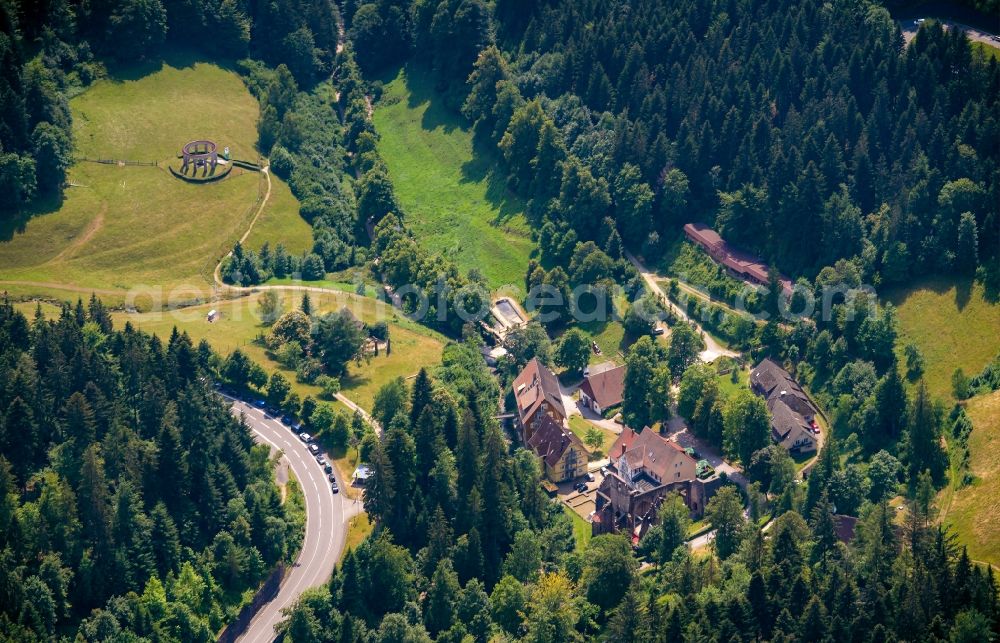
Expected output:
{"points": [[14, 225], [171, 57], [963, 292], [939, 285], [420, 88]]}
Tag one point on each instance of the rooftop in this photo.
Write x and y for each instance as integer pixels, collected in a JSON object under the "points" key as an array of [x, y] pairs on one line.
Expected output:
{"points": [[606, 387], [535, 384]]}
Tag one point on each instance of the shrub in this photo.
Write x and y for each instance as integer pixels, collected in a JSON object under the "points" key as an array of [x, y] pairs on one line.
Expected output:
{"points": [[330, 385], [308, 370], [282, 163]]}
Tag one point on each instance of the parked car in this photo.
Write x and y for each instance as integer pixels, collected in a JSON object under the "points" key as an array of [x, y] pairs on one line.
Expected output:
{"points": [[604, 471], [334, 488], [581, 487], [259, 403], [321, 459], [314, 448], [328, 468], [590, 477], [288, 419], [331, 477], [305, 437], [658, 330]]}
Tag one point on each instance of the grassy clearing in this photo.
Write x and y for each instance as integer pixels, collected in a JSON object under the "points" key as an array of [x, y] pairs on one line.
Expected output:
{"points": [[726, 385], [413, 346], [952, 325], [579, 425], [280, 222], [610, 337], [358, 528], [121, 227], [581, 528], [975, 510], [454, 198]]}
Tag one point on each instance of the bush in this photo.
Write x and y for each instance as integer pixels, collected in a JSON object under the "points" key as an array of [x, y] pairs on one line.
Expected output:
{"points": [[289, 355], [308, 370], [282, 162], [330, 385]]}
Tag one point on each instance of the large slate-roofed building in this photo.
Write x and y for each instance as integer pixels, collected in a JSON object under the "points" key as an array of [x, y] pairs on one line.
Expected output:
{"points": [[792, 412]]}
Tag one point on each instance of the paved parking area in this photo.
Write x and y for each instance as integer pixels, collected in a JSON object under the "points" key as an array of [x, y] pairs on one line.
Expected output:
{"points": [[583, 503]]}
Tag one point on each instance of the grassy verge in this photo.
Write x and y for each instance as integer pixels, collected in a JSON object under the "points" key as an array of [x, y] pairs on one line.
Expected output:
{"points": [[975, 509], [123, 227], [455, 200], [358, 528], [331, 284], [953, 326], [581, 528], [346, 460]]}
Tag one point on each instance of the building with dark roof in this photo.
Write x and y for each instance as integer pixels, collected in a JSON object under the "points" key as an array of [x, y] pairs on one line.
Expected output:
{"points": [[537, 393], [793, 415], [602, 391], [740, 264], [645, 467], [789, 429], [560, 451]]}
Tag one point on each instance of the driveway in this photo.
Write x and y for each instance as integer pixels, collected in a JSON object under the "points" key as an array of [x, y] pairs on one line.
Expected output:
{"points": [[713, 349], [582, 503], [594, 418], [677, 430]]}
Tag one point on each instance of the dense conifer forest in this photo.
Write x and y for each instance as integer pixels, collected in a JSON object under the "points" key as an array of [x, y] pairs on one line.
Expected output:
{"points": [[468, 549], [133, 506], [775, 119]]}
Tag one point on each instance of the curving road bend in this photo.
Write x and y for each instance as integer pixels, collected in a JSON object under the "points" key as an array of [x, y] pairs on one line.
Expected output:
{"points": [[327, 515]]}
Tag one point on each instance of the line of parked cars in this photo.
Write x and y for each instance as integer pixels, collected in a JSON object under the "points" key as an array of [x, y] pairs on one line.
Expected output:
{"points": [[295, 427]]}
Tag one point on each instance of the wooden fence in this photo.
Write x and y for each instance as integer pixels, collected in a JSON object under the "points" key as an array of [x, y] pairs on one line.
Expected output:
{"points": [[120, 162]]}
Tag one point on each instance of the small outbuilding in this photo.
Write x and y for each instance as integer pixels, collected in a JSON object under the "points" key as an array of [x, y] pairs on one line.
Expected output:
{"points": [[602, 391], [361, 475]]}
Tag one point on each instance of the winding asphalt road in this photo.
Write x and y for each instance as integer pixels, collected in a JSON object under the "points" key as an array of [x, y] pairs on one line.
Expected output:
{"points": [[327, 515]]}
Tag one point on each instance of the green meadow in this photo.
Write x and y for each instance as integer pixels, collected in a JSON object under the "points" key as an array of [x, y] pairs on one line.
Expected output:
{"points": [[453, 192], [124, 226], [954, 326]]}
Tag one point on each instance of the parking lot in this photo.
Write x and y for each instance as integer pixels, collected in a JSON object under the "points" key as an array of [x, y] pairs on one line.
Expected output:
{"points": [[582, 502]]}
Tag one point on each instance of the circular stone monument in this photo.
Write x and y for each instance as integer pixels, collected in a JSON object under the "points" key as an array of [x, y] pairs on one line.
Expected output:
{"points": [[199, 163]]}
